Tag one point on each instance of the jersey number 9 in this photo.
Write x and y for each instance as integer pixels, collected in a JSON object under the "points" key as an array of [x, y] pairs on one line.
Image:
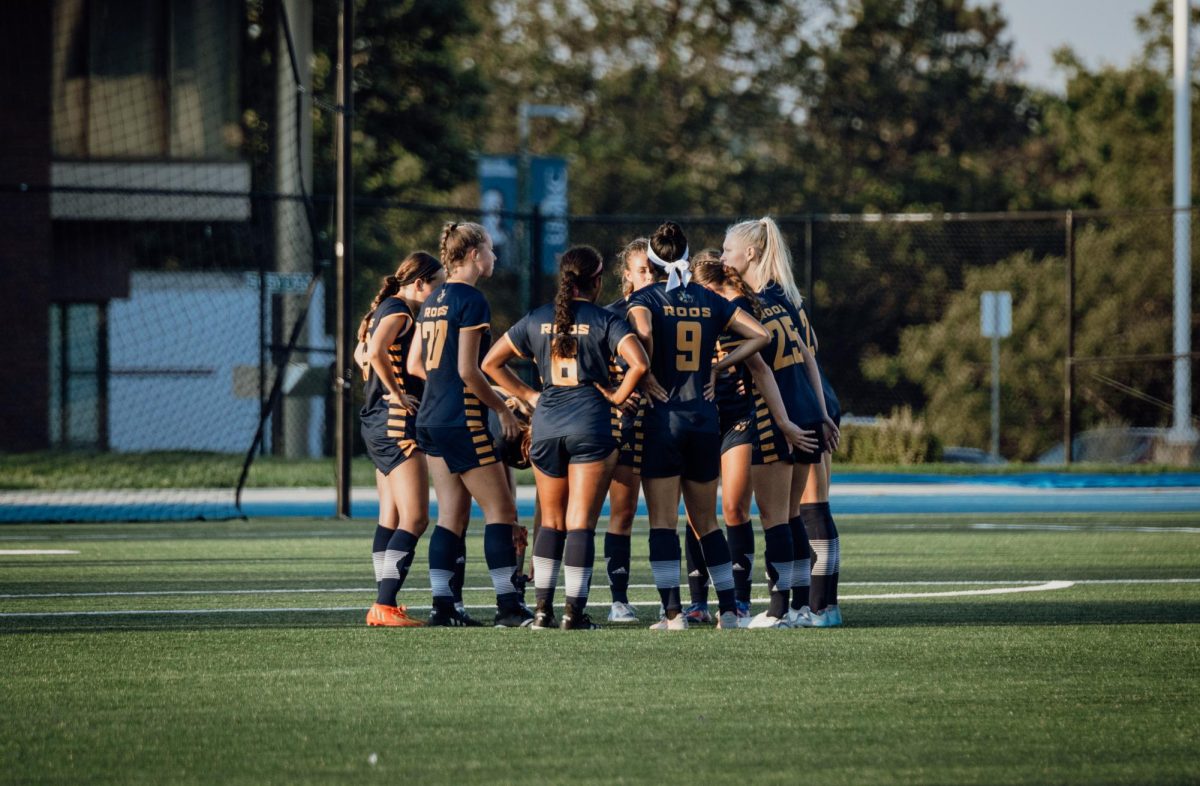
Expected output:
{"points": [[434, 336], [687, 346]]}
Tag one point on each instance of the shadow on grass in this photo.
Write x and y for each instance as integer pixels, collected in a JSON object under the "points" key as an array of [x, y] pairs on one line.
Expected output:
{"points": [[859, 616]]}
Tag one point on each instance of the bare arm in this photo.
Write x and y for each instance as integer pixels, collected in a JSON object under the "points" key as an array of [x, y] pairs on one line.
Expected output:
{"points": [[764, 382], [639, 317], [832, 435], [495, 366], [390, 329], [756, 337], [415, 364], [631, 351], [472, 377]]}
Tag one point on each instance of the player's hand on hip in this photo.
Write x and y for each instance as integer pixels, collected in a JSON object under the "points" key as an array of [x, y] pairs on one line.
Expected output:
{"points": [[655, 390], [800, 438], [833, 435], [509, 424]]}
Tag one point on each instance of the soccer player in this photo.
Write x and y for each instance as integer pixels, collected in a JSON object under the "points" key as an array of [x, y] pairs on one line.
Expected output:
{"points": [[574, 449], [679, 323], [780, 472], [391, 397], [452, 429], [636, 272], [814, 510]]}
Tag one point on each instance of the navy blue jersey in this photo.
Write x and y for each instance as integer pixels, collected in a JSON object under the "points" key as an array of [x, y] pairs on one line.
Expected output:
{"points": [[788, 329], [570, 404], [616, 369], [452, 307], [735, 386], [374, 389], [685, 323]]}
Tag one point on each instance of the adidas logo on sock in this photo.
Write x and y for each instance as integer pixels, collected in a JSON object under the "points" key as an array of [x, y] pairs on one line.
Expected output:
{"points": [[695, 574], [620, 572], [737, 567], [460, 561]]}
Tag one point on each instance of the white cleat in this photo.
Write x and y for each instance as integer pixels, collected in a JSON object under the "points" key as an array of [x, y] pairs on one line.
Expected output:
{"points": [[765, 620], [679, 623], [622, 613], [728, 620], [800, 618], [825, 619]]}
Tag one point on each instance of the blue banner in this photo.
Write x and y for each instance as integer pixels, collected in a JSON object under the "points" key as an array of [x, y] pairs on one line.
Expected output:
{"points": [[498, 192], [548, 181]]}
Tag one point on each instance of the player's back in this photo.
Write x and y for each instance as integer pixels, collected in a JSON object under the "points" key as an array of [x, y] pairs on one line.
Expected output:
{"points": [[451, 308], [786, 326]]}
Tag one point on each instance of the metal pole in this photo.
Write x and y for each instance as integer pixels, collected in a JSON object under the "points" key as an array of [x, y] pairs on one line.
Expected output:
{"points": [[344, 257], [536, 239], [1182, 431], [808, 264], [523, 198], [1069, 369], [996, 383]]}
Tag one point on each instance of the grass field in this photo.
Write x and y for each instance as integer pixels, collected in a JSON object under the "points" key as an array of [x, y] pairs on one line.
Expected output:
{"points": [[247, 661]]}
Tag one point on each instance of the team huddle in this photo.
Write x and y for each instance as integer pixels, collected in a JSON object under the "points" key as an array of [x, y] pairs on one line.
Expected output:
{"points": [[703, 373]]}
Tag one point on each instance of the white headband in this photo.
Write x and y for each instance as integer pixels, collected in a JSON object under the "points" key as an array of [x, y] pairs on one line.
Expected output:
{"points": [[678, 270]]}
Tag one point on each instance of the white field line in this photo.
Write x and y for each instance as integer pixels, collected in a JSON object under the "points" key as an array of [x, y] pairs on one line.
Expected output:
{"points": [[600, 588], [33, 552], [1080, 528]]}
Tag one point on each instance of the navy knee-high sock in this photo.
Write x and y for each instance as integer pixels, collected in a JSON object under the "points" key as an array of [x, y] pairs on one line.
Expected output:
{"points": [[826, 549], [664, 563], [396, 560], [501, 556], [378, 547], [741, 551], [547, 556], [459, 579], [720, 567], [443, 550], [802, 566], [617, 551], [779, 560], [697, 568], [579, 556]]}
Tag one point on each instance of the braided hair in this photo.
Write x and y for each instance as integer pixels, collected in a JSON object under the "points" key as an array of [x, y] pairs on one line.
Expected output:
{"points": [[579, 270], [458, 240]]}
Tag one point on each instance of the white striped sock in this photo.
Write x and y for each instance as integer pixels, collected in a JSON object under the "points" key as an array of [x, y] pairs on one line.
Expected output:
{"points": [[825, 557], [800, 573], [666, 573], [784, 569], [545, 572], [391, 564], [502, 580], [439, 582], [836, 558], [377, 561], [722, 576], [576, 581]]}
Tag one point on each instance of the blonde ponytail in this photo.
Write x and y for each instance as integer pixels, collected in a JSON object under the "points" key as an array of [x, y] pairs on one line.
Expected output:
{"points": [[774, 260]]}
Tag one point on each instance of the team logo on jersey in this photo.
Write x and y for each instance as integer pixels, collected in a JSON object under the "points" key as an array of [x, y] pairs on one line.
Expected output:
{"points": [[441, 295], [684, 297]]}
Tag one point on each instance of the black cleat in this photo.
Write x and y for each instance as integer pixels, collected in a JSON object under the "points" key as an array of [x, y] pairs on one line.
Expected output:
{"points": [[543, 617], [449, 617], [470, 621], [513, 617], [576, 620]]}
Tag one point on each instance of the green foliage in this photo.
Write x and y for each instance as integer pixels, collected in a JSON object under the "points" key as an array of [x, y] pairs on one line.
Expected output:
{"points": [[901, 438]]}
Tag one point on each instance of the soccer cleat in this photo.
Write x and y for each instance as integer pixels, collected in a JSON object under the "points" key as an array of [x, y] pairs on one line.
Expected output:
{"points": [[622, 613], [836, 613], [513, 617], [765, 620], [470, 621], [543, 618], [697, 614], [728, 620], [391, 617], [449, 617], [825, 619], [678, 623], [800, 618], [576, 620]]}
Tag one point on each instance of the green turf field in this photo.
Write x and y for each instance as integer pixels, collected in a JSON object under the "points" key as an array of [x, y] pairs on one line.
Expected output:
{"points": [[1097, 681]]}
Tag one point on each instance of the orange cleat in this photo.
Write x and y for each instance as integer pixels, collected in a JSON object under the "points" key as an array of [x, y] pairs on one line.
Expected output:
{"points": [[391, 617]]}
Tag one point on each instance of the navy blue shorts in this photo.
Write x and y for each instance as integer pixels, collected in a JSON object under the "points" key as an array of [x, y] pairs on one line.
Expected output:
{"points": [[462, 448], [675, 450], [739, 432], [770, 446], [389, 434], [630, 454], [551, 456]]}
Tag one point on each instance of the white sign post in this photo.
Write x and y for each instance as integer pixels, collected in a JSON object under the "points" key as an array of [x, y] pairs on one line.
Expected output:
{"points": [[995, 322]]}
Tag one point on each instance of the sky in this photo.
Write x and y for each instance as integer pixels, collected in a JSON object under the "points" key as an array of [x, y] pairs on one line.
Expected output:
{"points": [[1100, 31]]}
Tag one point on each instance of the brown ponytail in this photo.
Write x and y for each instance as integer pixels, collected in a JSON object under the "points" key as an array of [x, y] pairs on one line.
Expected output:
{"points": [[722, 276], [417, 265], [578, 273], [458, 240], [389, 287]]}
